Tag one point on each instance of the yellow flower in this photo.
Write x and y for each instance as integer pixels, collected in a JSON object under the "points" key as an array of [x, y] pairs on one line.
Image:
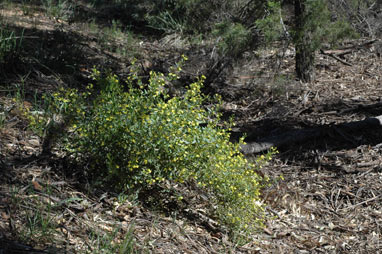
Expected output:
{"points": [[185, 58]]}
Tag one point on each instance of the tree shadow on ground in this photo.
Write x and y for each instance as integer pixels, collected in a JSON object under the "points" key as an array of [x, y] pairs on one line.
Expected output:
{"points": [[49, 59], [343, 135], [7, 246], [130, 14]]}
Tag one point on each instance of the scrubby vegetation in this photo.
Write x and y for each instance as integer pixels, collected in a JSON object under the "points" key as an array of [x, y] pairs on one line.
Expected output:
{"points": [[137, 127], [136, 136]]}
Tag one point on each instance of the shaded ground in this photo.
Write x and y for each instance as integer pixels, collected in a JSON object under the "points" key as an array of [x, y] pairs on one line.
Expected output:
{"points": [[328, 202], [330, 199]]}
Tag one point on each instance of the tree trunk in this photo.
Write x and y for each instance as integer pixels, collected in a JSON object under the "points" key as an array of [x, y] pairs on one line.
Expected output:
{"points": [[304, 51]]}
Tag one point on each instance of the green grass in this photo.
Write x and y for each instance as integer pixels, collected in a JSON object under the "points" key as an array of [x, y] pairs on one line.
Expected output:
{"points": [[114, 38], [39, 225], [26, 7], [59, 9], [10, 44], [3, 118], [118, 40], [38, 220], [106, 244], [167, 23]]}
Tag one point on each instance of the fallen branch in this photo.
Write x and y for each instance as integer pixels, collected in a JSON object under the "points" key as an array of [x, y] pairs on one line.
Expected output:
{"points": [[362, 203], [335, 57], [362, 45], [337, 53], [298, 136], [19, 37], [204, 220]]}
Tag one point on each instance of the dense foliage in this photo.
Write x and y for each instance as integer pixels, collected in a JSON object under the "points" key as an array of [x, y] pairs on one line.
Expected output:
{"points": [[136, 136], [230, 23], [319, 24]]}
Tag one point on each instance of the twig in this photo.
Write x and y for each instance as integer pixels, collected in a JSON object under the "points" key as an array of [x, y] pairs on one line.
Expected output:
{"points": [[335, 57], [361, 203], [19, 37]]}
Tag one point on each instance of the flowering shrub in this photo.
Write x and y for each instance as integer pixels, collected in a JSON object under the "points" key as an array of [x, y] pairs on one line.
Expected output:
{"points": [[138, 137]]}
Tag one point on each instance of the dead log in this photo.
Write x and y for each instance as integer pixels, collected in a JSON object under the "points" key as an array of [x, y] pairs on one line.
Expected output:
{"points": [[299, 136]]}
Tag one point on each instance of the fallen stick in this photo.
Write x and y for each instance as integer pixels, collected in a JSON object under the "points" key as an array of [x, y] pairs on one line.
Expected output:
{"points": [[335, 57]]}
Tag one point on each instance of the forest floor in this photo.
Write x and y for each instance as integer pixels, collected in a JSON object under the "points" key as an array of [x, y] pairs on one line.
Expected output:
{"points": [[329, 200]]}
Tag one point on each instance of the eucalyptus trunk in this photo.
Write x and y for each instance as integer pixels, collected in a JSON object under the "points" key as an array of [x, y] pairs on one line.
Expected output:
{"points": [[303, 41]]}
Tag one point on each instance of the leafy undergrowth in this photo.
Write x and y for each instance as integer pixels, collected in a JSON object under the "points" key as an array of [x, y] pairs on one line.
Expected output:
{"points": [[143, 139], [181, 188], [48, 203], [329, 201], [49, 211]]}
